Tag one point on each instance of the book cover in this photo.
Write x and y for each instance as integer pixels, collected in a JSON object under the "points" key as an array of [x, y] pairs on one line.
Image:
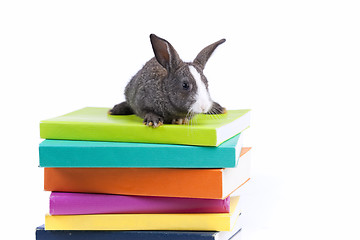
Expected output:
{"points": [[68, 153], [42, 234], [63, 203], [162, 182], [176, 221], [94, 124]]}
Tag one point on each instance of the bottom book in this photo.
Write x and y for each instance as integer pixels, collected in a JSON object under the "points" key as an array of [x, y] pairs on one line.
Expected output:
{"points": [[42, 234]]}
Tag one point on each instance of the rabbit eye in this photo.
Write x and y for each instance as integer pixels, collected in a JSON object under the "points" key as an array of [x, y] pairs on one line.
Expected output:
{"points": [[185, 85]]}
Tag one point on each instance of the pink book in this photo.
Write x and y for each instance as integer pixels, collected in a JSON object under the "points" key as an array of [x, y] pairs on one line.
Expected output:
{"points": [[63, 203]]}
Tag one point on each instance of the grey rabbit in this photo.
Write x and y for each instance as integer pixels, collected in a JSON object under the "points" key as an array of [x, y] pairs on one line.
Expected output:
{"points": [[168, 90]]}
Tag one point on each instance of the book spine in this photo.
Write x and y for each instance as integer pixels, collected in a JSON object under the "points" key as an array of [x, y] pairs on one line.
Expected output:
{"points": [[161, 182], [42, 234], [176, 222], [66, 153], [82, 203], [112, 133]]}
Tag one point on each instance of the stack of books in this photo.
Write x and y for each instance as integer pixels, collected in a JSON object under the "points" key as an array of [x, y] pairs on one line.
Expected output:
{"points": [[111, 177]]}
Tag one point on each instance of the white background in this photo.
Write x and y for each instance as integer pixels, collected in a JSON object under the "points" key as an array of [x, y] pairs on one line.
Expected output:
{"points": [[295, 63]]}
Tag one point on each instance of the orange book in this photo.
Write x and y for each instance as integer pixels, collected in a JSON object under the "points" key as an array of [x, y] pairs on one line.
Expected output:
{"points": [[171, 182]]}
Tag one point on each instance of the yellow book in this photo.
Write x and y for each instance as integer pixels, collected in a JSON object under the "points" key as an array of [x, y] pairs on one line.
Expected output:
{"points": [[183, 221]]}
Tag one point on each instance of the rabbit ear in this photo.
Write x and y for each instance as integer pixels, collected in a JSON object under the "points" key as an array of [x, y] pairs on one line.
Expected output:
{"points": [[205, 54], [165, 53]]}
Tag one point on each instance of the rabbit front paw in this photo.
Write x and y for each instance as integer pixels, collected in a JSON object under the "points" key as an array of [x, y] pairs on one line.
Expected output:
{"points": [[180, 121], [153, 120]]}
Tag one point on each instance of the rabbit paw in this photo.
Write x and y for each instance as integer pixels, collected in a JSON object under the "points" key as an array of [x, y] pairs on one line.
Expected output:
{"points": [[217, 109], [180, 121], [121, 109], [153, 120]]}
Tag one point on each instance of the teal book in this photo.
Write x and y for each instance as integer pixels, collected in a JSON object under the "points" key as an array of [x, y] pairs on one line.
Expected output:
{"points": [[67, 153], [94, 124]]}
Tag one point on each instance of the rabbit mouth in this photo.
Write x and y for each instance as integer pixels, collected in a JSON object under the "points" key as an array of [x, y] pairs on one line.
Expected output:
{"points": [[198, 108], [202, 104]]}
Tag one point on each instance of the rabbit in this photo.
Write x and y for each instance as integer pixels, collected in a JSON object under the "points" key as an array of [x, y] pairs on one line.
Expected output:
{"points": [[167, 90]]}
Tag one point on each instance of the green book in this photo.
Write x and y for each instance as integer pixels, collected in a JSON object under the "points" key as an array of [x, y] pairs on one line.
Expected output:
{"points": [[94, 124]]}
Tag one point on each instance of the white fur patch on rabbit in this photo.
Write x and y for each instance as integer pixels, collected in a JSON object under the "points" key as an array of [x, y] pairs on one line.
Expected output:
{"points": [[203, 102]]}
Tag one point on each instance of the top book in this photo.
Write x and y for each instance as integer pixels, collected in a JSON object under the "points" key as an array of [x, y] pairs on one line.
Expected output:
{"points": [[94, 124]]}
